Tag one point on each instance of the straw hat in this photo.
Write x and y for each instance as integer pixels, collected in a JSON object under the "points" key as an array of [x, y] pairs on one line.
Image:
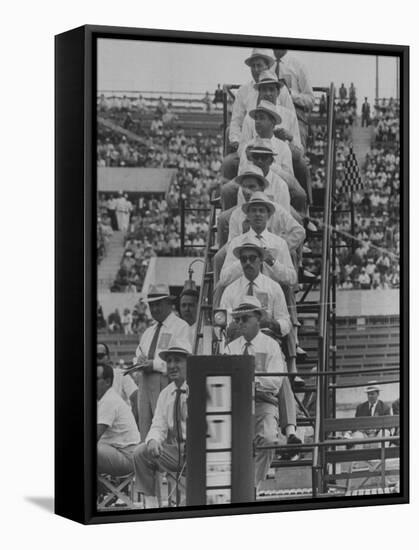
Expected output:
{"points": [[180, 347], [264, 54], [268, 108]]}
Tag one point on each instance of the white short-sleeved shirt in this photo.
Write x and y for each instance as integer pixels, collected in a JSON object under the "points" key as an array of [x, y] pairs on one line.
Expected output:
{"points": [[113, 412], [123, 385]]}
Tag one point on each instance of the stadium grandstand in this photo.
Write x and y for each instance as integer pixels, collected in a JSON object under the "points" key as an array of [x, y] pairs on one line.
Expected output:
{"points": [[164, 185]]}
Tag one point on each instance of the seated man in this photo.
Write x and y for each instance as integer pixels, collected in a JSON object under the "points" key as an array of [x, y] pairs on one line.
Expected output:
{"points": [[123, 385], [246, 99], [261, 155], [277, 268], [117, 432], [266, 117], [164, 446], [254, 283], [188, 309], [372, 407], [268, 358]]}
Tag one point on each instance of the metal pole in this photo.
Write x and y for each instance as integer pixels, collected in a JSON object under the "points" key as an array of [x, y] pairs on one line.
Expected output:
{"points": [[225, 92], [376, 80], [182, 225], [397, 78]]}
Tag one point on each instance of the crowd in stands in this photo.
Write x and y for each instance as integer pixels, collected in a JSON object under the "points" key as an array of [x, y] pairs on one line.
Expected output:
{"points": [[386, 120], [128, 321], [155, 225]]}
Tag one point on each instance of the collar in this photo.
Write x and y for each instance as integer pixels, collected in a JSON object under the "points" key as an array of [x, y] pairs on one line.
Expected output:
{"points": [[256, 281], [264, 233], [252, 342], [173, 388]]}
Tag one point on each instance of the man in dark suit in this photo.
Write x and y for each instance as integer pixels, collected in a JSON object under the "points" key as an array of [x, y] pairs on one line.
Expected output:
{"points": [[373, 406]]}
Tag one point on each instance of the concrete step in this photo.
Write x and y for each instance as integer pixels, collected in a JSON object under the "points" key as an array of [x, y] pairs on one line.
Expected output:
{"points": [[109, 266]]}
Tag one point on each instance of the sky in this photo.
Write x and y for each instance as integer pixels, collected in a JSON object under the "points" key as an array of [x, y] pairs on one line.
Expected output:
{"points": [[131, 65]]}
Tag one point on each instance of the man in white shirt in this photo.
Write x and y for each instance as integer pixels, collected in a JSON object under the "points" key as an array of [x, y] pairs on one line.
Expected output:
{"points": [[164, 446], [269, 88], [288, 130], [188, 309], [268, 358], [168, 326], [293, 72], [277, 259], [246, 98], [124, 386], [266, 117], [117, 432], [252, 282], [275, 187]]}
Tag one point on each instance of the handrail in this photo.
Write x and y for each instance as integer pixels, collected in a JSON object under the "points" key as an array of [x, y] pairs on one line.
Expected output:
{"points": [[322, 390], [204, 272]]}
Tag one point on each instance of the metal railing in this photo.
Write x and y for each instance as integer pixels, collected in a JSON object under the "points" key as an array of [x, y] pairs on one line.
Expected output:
{"points": [[324, 353]]}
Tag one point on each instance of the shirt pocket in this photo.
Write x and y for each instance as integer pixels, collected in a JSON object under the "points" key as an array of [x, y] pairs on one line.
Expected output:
{"points": [[164, 340]]}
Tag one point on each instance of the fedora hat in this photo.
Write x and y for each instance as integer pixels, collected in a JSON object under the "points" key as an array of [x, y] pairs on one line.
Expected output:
{"points": [[247, 304], [259, 198], [268, 108], [158, 292], [267, 77], [372, 386], [251, 170], [251, 243], [181, 347], [264, 54], [261, 146]]}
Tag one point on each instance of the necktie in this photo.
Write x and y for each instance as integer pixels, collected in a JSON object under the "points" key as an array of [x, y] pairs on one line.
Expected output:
{"points": [[250, 289], [177, 415], [153, 345], [246, 348], [371, 406]]}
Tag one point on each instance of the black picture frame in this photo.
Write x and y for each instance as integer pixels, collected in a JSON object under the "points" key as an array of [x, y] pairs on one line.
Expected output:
{"points": [[75, 177]]}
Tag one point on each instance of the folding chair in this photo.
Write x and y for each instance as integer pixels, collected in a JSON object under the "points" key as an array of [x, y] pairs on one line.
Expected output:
{"points": [[120, 491]]}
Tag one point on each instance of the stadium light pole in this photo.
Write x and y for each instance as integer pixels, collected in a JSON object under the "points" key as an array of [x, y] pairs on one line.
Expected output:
{"points": [[376, 80]]}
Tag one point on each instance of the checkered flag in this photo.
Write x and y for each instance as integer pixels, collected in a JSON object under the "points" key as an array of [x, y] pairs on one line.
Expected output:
{"points": [[352, 177]]}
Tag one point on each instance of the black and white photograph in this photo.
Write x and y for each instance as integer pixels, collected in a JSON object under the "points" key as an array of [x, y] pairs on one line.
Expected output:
{"points": [[248, 275]]}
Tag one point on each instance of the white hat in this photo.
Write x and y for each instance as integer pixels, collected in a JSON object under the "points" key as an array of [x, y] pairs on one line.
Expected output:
{"points": [[372, 386], [259, 198], [158, 292], [264, 54], [269, 108], [267, 77], [251, 170], [181, 347], [250, 243], [247, 304]]}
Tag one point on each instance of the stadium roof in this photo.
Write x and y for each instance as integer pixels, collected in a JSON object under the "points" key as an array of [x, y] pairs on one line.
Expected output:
{"points": [[138, 180]]}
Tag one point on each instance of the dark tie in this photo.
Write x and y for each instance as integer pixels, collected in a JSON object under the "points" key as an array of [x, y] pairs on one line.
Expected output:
{"points": [[153, 345], [277, 69], [250, 289], [177, 415], [246, 348]]}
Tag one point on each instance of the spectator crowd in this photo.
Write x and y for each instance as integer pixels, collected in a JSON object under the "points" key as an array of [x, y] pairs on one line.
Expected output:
{"points": [[155, 222]]}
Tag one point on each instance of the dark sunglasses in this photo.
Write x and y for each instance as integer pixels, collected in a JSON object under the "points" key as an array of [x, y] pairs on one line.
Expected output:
{"points": [[252, 259], [243, 318]]}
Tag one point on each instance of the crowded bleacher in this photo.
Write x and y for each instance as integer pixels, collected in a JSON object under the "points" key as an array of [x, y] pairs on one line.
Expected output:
{"points": [[267, 178]]}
